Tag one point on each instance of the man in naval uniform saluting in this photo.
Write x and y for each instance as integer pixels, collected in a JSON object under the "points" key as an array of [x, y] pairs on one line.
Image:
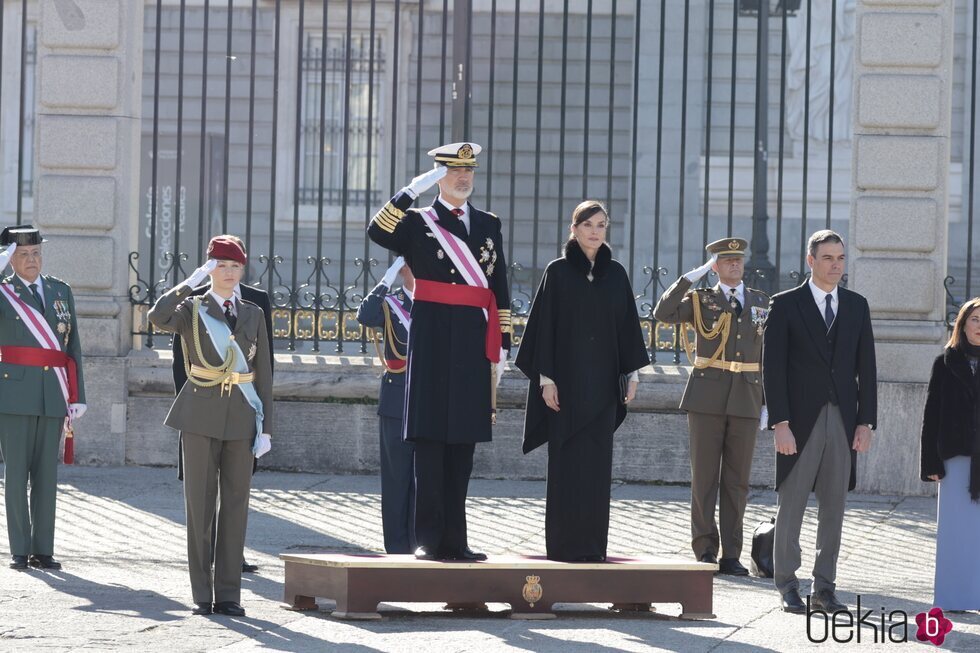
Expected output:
{"points": [[40, 385], [461, 329], [723, 397]]}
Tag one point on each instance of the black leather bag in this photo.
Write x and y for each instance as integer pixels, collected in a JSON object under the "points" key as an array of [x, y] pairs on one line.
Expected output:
{"points": [[762, 544], [624, 386]]}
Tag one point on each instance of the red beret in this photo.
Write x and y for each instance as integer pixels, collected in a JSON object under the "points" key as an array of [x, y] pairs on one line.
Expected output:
{"points": [[225, 249]]}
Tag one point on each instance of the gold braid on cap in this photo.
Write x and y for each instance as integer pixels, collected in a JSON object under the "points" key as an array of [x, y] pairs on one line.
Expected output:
{"points": [[722, 327]]}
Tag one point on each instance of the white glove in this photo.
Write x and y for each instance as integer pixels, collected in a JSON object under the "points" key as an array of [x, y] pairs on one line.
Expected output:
{"points": [[392, 273], [764, 419], [197, 276], [425, 181], [694, 275], [501, 364], [6, 254], [76, 410], [262, 446]]}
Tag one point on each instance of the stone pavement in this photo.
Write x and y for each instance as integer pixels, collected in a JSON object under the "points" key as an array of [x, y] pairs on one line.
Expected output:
{"points": [[124, 586]]}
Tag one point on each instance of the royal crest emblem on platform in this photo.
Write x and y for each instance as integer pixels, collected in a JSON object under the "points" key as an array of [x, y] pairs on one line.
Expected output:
{"points": [[532, 591]]}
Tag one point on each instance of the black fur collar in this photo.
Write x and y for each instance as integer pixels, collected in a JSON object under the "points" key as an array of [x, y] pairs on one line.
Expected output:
{"points": [[575, 256]]}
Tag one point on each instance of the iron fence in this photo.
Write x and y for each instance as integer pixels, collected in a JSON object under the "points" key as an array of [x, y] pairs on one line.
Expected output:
{"points": [[289, 122]]}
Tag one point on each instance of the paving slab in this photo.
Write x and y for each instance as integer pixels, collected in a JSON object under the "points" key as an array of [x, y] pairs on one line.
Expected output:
{"points": [[120, 535]]}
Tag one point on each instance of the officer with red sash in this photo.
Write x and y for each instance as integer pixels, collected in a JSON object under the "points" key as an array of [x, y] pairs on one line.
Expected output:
{"points": [[41, 393], [461, 328]]}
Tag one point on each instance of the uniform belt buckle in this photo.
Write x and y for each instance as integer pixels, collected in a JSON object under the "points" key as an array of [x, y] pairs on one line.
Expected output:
{"points": [[736, 367]]}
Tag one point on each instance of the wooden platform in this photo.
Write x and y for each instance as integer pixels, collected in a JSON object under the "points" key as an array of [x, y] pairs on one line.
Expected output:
{"points": [[531, 585]]}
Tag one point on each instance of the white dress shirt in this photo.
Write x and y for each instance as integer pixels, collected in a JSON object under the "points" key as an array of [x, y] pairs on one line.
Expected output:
{"points": [[465, 218], [739, 292], [820, 297], [221, 301], [40, 288]]}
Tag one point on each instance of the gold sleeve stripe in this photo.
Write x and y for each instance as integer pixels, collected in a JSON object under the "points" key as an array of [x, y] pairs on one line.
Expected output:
{"points": [[384, 226], [393, 211], [385, 221]]}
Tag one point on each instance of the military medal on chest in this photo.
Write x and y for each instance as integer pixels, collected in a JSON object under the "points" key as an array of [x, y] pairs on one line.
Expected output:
{"points": [[488, 256], [63, 314]]}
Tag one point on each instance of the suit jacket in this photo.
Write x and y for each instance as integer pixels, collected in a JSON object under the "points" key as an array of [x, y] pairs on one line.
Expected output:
{"points": [[26, 390], [391, 399], [802, 373], [205, 411], [711, 390], [258, 297], [449, 377]]}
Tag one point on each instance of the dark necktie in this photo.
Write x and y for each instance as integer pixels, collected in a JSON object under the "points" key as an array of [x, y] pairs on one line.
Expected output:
{"points": [[232, 320], [828, 311], [37, 296], [735, 304], [458, 213]]}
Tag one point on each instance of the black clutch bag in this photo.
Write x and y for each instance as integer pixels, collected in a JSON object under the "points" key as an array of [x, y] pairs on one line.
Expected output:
{"points": [[624, 386]]}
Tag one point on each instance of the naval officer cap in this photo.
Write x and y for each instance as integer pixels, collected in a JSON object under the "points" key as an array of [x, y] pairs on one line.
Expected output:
{"points": [[457, 155], [23, 235], [728, 247]]}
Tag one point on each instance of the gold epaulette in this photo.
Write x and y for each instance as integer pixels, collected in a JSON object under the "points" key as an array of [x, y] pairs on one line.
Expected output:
{"points": [[388, 217]]}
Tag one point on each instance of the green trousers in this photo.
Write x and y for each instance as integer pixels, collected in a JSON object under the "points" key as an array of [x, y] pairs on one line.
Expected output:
{"points": [[29, 445]]}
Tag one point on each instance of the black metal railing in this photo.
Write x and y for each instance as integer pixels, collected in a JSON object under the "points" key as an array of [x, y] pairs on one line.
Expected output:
{"points": [[288, 122]]}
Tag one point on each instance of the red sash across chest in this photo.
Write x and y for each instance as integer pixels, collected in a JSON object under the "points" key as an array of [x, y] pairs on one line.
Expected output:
{"points": [[460, 295]]}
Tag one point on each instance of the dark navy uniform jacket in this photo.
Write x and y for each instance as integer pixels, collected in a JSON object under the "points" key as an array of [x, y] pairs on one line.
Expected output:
{"points": [[448, 395], [391, 400]]}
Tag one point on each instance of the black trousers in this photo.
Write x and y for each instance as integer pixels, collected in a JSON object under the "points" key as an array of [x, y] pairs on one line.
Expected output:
{"points": [[442, 477]]}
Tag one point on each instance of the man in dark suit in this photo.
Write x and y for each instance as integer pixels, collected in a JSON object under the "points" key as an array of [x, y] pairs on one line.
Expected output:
{"points": [[821, 391], [250, 294]]}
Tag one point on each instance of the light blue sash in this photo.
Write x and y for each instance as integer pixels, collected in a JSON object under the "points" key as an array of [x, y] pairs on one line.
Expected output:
{"points": [[220, 334]]}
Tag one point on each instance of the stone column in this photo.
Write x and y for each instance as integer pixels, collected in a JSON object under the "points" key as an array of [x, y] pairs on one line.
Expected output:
{"points": [[88, 143], [903, 88]]}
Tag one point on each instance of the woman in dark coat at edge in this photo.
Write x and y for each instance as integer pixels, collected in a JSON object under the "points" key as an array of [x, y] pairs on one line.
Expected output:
{"points": [[951, 456], [583, 332]]}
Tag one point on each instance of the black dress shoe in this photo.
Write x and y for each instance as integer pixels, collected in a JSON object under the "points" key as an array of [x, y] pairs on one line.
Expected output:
{"points": [[249, 569], [44, 562], [731, 567], [202, 609], [708, 557], [826, 600], [229, 608], [793, 603], [18, 562], [425, 553], [468, 554]]}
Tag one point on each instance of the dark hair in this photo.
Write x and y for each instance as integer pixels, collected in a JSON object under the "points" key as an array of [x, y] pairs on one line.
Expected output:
{"points": [[586, 210], [819, 238], [959, 327]]}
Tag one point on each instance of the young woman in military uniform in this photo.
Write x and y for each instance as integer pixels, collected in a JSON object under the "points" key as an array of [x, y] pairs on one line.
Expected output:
{"points": [[224, 415]]}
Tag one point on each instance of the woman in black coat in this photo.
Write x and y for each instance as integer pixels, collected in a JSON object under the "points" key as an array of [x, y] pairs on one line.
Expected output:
{"points": [[951, 456], [582, 334]]}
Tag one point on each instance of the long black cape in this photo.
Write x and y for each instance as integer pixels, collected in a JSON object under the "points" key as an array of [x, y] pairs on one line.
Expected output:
{"points": [[581, 334]]}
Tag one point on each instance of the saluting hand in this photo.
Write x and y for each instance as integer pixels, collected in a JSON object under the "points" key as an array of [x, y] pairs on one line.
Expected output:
{"points": [[550, 395], [785, 440], [6, 254], [862, 438], [197, 276], [426, 180]]}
